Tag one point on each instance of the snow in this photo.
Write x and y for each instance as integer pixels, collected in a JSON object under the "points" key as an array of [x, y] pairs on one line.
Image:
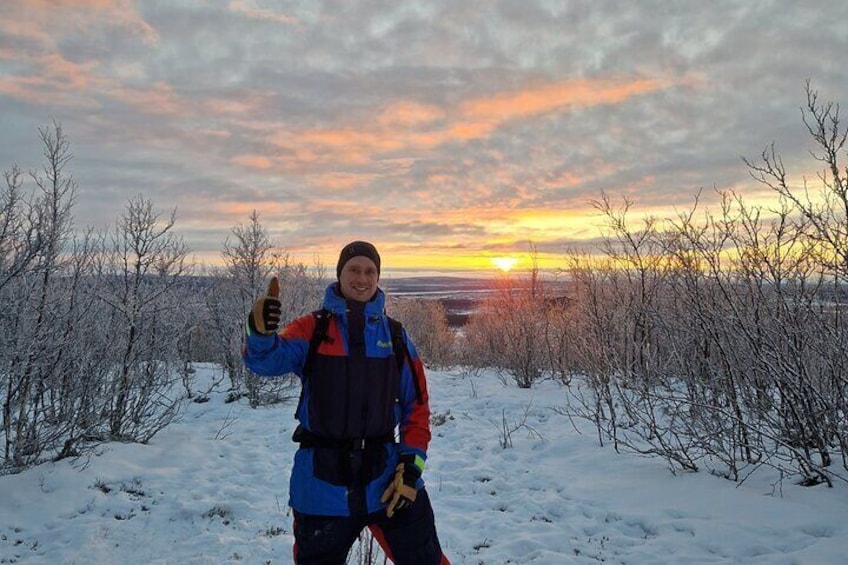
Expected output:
{"points": [[212, 488]]}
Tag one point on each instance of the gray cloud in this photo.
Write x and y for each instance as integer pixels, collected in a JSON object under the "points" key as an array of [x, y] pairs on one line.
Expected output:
{"points": [[416, 122]]}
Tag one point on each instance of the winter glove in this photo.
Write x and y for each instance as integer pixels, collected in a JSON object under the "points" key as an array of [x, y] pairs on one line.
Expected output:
{"points": [[401, 491], [265, 317]]}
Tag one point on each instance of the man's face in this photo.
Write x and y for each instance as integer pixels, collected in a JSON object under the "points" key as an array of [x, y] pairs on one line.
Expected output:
{"points": [[358, 279]]}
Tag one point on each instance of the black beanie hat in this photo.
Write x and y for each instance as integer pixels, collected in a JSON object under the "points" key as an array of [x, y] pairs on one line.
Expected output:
{"points": [[356, 249]]}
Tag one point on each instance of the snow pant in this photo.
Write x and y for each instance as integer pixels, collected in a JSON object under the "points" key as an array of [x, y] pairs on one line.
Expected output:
{"points": [[408, 538]]}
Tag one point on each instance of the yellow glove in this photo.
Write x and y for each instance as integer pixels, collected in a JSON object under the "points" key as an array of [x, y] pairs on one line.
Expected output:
{"points": [[264, 318], [401, 491]]}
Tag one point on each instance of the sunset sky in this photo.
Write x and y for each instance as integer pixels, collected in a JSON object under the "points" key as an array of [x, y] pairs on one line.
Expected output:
{"points": [[448, 133]]}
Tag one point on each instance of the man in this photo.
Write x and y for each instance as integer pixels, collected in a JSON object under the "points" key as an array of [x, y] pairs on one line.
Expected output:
{"points": [[349, 472]]}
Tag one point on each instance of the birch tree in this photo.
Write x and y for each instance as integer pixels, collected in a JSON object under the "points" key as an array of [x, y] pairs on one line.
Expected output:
{"points": [[251, 257], [143, 260]]}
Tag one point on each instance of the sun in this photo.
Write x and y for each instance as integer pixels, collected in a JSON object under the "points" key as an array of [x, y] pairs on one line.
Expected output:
{"points": [[505, 264]]}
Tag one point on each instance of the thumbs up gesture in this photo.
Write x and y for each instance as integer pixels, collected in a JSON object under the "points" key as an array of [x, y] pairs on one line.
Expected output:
{"points": [[265, 316]]}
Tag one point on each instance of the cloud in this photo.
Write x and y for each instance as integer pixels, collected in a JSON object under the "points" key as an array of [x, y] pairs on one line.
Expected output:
{"points": [[546, 98], [253, 161], [48, 21], [431, 125], [250, 11], [408, 114], [50, 76], [414, 129]]}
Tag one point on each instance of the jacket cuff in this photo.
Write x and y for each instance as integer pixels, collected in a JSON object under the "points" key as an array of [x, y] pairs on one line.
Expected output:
{"points": [[414, 457], [250, 328]]}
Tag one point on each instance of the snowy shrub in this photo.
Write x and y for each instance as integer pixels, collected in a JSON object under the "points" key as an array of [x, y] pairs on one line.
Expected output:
{"points": [[251, 258], [426, 324], [717, 340], [521, 331], [88, 347]]}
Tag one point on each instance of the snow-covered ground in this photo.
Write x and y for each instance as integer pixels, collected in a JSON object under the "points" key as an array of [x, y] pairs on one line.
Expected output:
{"points": [[213, 488]]}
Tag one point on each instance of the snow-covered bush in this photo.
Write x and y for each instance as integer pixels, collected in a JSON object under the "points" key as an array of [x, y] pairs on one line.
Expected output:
{"points": [[251, 257], [520, 331], [717, 340], [426, 324]]}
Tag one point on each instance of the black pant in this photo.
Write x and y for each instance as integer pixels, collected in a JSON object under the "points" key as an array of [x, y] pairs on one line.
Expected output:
{"points": [[409, 536]]}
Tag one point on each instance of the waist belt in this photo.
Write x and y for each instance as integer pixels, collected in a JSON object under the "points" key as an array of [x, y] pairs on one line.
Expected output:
{"points": [[307, 439]]}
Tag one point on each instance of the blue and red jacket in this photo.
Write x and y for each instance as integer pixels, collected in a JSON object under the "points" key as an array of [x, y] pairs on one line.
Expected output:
{"points": [[353, 392]]}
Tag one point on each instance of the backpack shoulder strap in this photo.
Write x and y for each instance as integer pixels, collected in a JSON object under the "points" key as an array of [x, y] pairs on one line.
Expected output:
{"points": [[319, 335], [401, 352]]}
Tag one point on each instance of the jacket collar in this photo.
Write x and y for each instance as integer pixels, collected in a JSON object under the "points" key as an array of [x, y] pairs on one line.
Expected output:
{"points": [[335, 302]]}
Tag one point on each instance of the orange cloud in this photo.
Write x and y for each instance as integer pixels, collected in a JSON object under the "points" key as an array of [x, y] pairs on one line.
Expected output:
{"points": [[337, 181], [252, 161], [158, 99], [48, 18], [547, 98], [468, 130], [303, 151], [49, 78], [26, 30], [350, 209], [53, 80], [410, 127], [62, 72]]}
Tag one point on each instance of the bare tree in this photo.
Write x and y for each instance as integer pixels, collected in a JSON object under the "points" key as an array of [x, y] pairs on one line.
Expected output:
{"points": [[743, 358], [19, 238], [824, 210], [813, 392], [426, 322], [251, 257], [87, 345], [143, 261], [42, 235], [510, 329]]}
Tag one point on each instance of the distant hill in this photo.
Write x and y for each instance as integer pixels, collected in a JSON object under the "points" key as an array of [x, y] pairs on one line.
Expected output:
{"points": [[459, 296], [435, 285]]}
